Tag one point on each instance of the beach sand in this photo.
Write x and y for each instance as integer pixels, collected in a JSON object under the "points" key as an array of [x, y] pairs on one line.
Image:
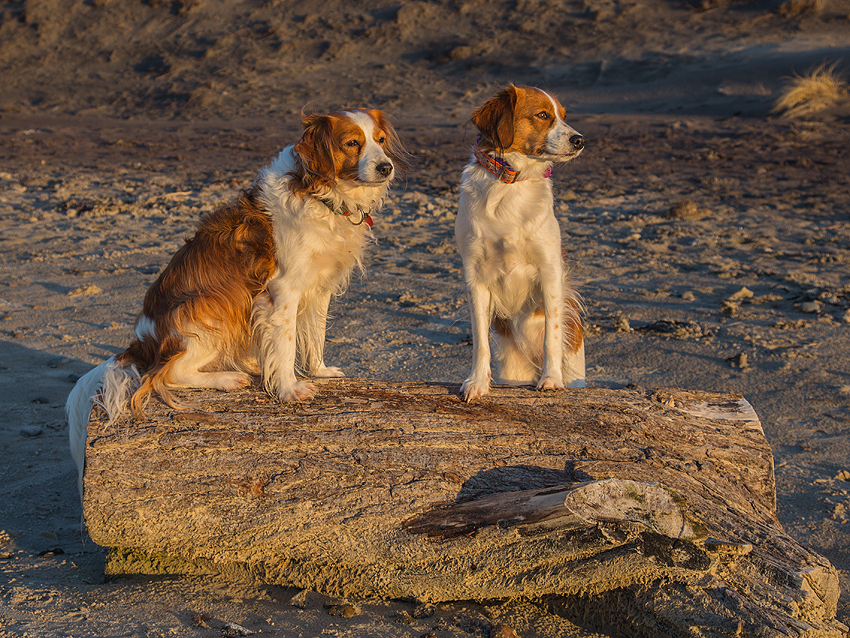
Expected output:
{"points": [[710, 239]]}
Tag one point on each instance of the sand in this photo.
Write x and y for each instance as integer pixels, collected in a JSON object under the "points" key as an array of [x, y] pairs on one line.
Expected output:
{"points": [[711, 240]]}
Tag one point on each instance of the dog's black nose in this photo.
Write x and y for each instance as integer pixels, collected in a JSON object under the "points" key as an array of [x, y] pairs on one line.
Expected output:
{"points": [[384, 168], [577, 141]]}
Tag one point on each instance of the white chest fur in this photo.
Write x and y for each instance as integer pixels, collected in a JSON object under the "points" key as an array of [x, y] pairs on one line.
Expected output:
{"points": [[506, 233]]}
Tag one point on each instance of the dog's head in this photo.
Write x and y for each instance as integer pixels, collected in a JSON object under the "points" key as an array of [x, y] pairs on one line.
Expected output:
{"points": [[526, 120], [358, 146]]}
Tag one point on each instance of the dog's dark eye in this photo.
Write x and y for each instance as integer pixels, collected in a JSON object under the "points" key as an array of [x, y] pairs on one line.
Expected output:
{"points": [[382, 139], [543, 115], [353, 144]]}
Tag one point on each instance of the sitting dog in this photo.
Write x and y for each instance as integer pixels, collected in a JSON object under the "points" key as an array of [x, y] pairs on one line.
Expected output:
{"points": [[249, 292], [510, 243]]}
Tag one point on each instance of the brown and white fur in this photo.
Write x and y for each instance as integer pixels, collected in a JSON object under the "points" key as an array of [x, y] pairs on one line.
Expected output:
{"points": [[510, 243], [249, 293]]}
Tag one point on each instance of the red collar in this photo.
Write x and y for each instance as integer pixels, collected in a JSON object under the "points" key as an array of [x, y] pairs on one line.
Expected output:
{"points": [[499, 166]]}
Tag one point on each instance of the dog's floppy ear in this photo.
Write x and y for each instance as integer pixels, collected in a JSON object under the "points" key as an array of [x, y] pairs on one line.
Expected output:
{"points": [[495, 119], [315, 169], [394, 148]]}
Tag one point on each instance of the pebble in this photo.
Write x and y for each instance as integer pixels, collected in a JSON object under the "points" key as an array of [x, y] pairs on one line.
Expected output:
{"points": [[58, 362], [729, 308], [688, 296], [474, 625], [87, 289], [686, 210], [346, 611], [31, 430], [299, 600], [621, 324], [845, 318], [200, 620], [811, 306], [502, 631], [404, 618], [232, 629], [743, 293], [424, 611], [441, 625], [739, 361]]}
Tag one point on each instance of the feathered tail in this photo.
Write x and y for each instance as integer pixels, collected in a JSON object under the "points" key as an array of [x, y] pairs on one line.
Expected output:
{"points": [[110, 385]]}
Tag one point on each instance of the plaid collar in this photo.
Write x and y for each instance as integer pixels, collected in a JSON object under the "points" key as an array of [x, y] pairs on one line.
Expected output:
{"points": [[499, 166], [345, 212]]}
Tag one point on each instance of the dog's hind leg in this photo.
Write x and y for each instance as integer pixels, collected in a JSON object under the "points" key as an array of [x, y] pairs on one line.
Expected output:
{"points": [[573, 361], [512, 364], [185, 369], [574, 370]]}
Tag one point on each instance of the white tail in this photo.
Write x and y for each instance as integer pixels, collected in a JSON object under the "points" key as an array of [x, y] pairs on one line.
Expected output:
{"points": [[110, 386]]}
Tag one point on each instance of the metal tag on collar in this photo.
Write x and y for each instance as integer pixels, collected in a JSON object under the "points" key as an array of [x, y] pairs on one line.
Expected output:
{"points": [[344, 212], [364, 217], [508, 176]]}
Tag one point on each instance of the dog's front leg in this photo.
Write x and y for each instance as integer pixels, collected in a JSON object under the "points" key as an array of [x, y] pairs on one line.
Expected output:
{"points": [[552, 281], [276, 326], [481, 312], [315, 320]]}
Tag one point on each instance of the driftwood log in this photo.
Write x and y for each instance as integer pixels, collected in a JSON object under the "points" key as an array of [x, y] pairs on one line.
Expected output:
{"points": [[640, 514]]}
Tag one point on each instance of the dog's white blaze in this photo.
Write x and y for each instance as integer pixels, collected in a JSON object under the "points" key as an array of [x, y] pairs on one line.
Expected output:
{"points": [[145, 327], [559, 137], [555, 109], [372, 154]]}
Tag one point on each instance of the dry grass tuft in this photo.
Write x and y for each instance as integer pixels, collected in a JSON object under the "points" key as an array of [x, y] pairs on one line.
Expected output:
{"points": [[821, 88]]}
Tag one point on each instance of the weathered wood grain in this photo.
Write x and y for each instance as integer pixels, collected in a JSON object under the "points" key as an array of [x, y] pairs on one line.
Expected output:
{"points": [[623, 509]]}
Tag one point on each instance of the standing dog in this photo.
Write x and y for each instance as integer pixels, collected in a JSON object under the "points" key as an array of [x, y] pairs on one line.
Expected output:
{"points": [[510, 243], [250, 291]]}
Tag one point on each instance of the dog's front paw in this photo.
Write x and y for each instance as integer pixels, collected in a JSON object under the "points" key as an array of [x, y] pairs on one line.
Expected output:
{"points": [[550, 383], [299, 391], [473, 389], [328, 372]]}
